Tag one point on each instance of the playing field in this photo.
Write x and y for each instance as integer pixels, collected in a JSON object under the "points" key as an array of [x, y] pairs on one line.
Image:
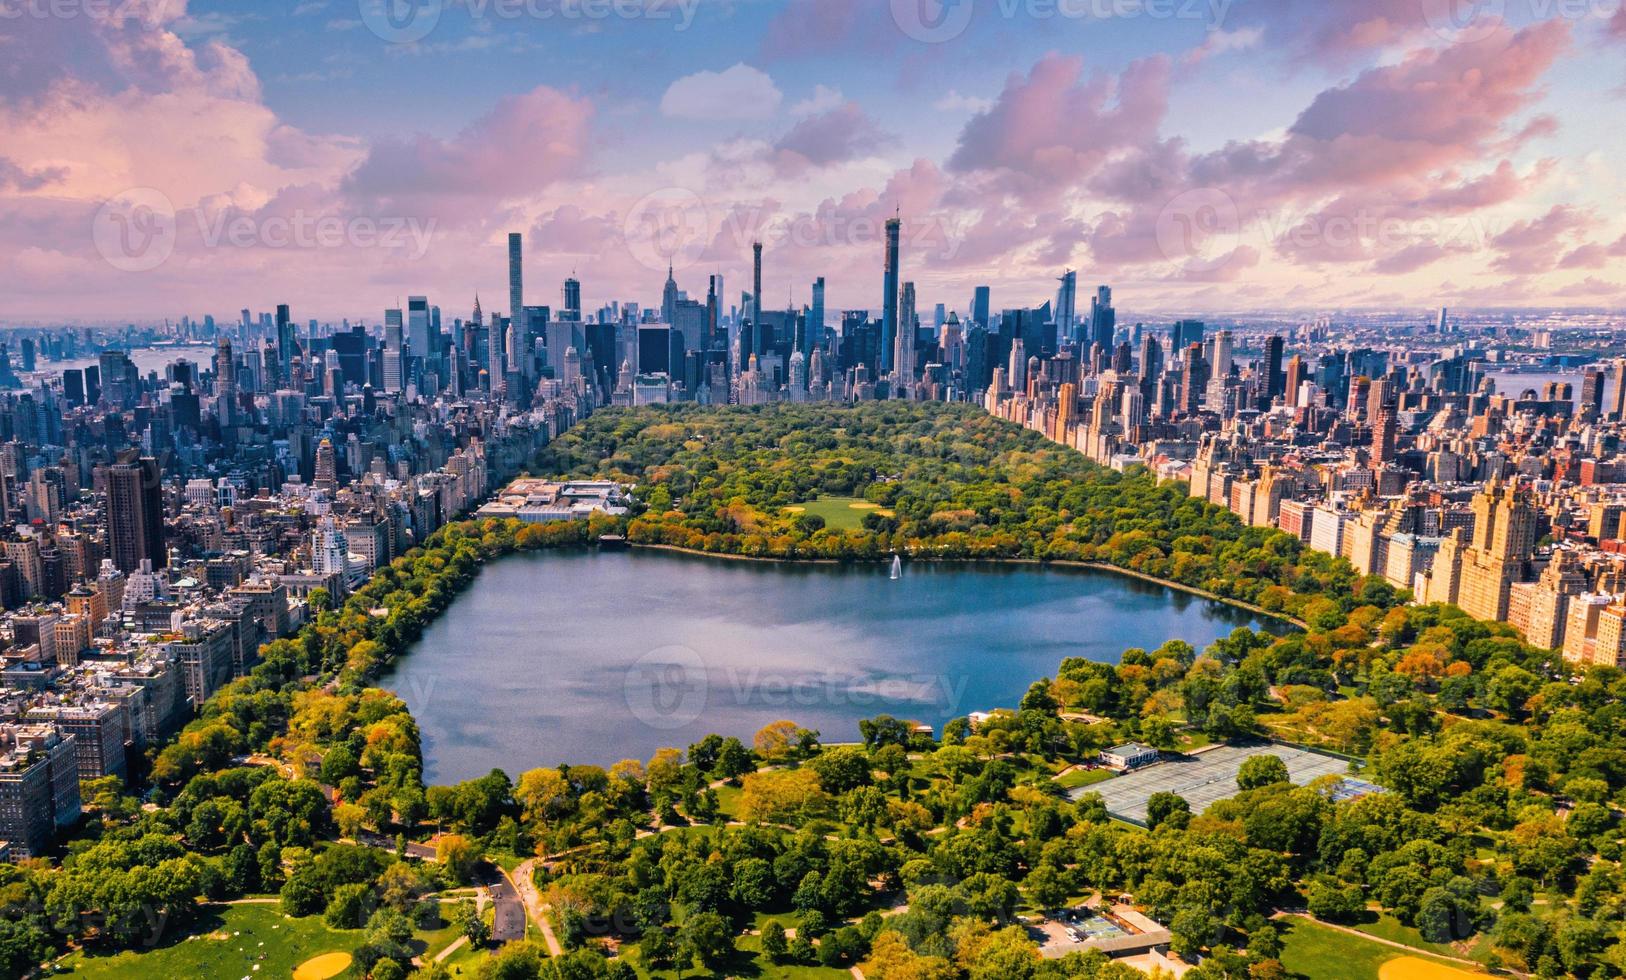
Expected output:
{"points": [[1204, 778], [839, 513]]}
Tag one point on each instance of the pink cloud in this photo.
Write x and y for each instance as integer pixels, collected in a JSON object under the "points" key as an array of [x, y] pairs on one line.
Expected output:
{"points": [[521, 146], [836, 136], [1055, 128]]}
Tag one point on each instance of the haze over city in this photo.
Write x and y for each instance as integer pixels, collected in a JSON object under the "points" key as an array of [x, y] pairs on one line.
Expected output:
{"points": [[1199, 154]]}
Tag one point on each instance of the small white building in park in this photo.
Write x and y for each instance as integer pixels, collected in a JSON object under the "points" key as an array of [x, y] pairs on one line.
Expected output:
{"points": [[1132, 755]]}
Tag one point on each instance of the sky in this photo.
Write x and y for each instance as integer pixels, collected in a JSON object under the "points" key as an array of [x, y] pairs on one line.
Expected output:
{"points": [[169, 157]]}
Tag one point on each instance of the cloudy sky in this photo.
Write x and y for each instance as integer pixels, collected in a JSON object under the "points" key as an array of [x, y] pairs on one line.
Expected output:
{"points": [[163, 157]]}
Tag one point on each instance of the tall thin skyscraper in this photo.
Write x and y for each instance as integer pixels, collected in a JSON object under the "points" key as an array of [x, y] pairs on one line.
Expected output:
{"points": [[756, 299], [889, 296], [814, 332], [516, 277], [1067, 308], [287, 343], [904, 356], [713, 315], [135, 513]]}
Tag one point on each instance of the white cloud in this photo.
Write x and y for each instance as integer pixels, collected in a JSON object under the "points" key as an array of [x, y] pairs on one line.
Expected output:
{"points": [[823, 99], [740, 92], [955, 102]]}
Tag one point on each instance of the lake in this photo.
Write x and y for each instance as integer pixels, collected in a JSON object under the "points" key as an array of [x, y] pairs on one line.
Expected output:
{"points": [[593, 657]]}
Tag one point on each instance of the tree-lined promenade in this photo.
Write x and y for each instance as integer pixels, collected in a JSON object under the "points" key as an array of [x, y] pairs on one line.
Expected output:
{"points": [[907, 855]]}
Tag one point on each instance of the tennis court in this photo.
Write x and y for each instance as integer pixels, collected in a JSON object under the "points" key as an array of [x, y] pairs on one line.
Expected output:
{"points": [[1204, 778]]}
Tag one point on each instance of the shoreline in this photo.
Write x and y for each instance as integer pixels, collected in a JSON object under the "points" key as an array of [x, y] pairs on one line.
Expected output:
{"points": [[1058, 562]]}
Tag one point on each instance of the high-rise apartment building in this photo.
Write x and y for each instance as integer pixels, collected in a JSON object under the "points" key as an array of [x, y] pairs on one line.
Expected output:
{"points": [[135, 513]]}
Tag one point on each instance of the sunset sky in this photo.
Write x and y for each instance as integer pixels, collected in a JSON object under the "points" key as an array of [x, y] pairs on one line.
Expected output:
{"points": [[1198, 155]]}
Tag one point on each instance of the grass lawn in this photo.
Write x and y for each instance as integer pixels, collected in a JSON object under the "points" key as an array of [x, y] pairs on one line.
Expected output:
{"points": [[1389, 927], [228, 941], [728, 801], [1312, 951], [839, 513], [1083, 777]]}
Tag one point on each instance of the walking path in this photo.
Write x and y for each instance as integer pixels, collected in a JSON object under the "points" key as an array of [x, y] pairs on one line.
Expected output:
{"points": [[526, 886], [1414, 950], [451, 948]]}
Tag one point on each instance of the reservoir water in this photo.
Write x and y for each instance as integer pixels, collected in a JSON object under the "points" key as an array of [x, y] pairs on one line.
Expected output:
{"points": [[589, 657]]}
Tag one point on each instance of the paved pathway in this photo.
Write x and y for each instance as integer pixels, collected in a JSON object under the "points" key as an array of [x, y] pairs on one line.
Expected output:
{"points": [[451, 948], [526, 886], [1415, 951]]}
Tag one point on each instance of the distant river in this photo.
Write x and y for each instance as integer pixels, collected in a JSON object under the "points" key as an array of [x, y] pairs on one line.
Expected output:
{"points": [[587, 657]]}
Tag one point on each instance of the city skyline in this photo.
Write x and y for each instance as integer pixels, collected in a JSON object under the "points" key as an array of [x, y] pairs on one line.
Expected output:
{"points": [[1201, 157]]}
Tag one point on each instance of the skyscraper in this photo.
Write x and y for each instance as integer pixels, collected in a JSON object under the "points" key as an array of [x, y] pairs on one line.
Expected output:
{"points": [[979, 306], [1103, 318], [813, 334], [889, 295], [904, 356], [419, 337], [1067, 309], [1275, 382], [573, 299], [287, 343], [516, 275], [135, 513], [756, 337], [394, 355]]}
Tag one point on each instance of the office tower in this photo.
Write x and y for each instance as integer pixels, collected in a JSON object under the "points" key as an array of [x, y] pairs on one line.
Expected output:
{"points": [[714, 324], [1103, 318], [516, 274], [1067, 309], [889, 295], [904, 357], [1017, 369], [1151, 365], [420, 341], [1442, 325], [135, 513], [669, 299], [1186, 333], [979, 306], [813, 334], [654, 349], [1274, 381], [573, 299], [28, 353], [1193, 379], [1295, 378], [287, 342], [394, 355], [1592, 381]]}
